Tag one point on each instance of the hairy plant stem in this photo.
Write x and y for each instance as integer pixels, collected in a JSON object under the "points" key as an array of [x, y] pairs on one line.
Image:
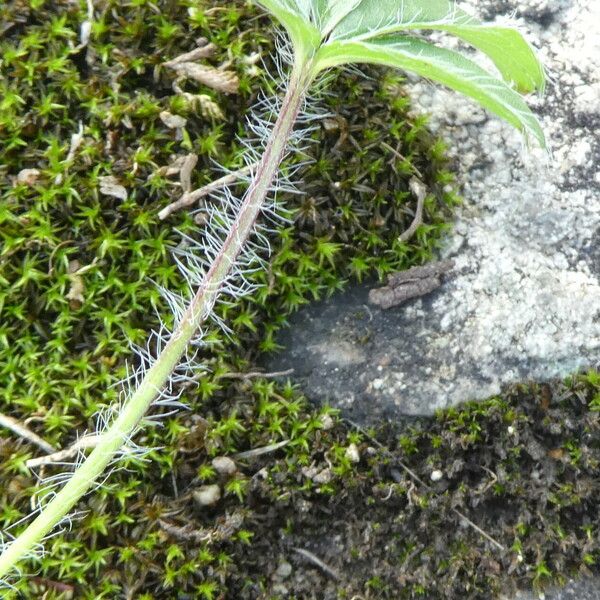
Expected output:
{"points": [[200, 307]]}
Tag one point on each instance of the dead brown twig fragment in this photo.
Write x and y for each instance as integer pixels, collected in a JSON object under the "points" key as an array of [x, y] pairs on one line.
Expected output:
{"points": [[23, 432], [220, 80], [255, 374], [255, 452], [204, 51], [417, 187], [192, 197], [411, 283], [223, 531], [315, 560], [88, 441]]}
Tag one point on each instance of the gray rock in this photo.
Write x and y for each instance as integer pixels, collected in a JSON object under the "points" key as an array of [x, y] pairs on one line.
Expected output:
{"points": [[525, 303]]}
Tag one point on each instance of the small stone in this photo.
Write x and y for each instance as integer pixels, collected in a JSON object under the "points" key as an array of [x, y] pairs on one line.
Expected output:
{"points": [[28, 176], [76, 291], [303, 506], [84, 33], [327, 422], [309, 472], [323, 476], [262, 474], [280, 590], [207, 495], [511, 430], [172, 121], [330, 125], [436, 475], [284, 570], [352, 453], [224, 465]]}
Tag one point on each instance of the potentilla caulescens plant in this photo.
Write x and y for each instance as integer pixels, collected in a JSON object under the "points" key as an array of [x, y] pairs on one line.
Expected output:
{"points": [[323, 34]]}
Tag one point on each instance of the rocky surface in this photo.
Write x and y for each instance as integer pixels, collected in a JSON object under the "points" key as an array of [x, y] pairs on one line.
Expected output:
{"points": [[585, 589], [526, 301]]}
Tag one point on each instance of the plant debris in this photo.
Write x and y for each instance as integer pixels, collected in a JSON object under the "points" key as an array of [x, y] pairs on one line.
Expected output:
{"points": [[110, 186], [412, 283]]}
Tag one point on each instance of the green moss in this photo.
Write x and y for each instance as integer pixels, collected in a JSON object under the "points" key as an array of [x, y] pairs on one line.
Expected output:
{"points": [[61, 351]]}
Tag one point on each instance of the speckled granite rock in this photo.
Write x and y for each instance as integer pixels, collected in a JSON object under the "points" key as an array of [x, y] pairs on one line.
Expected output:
{"points": [[526, 301]]}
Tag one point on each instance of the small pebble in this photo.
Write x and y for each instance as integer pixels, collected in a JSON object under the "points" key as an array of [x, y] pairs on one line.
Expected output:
{"points": [[224, 465], [280, 590], [327, 422], [172, 121], [207, 495], [352, 453], [323, 476], [284, 570], [110, 186], [436, 475], [28, 176]]}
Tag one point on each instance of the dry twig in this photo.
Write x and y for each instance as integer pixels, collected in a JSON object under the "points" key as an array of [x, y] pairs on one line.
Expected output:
{"points": [[223, 531], [76, 141], [242, 376], [315, 560], [419, 190], [88, 441], [220, 80], [205, 51], [25, 433], [397, 154], [260, 451], [190, 198], [254, 374], [185, 174], [412, 283]]}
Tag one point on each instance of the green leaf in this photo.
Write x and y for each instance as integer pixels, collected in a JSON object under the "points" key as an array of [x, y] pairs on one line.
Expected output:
{"points": [[372, 18], [334, 12], [305, 7], [291, 14], [334, 32], [441, 65], [512, 55]]}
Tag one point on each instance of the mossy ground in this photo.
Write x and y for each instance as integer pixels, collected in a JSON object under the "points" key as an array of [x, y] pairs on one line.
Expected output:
{"points": [[60, 352]]}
